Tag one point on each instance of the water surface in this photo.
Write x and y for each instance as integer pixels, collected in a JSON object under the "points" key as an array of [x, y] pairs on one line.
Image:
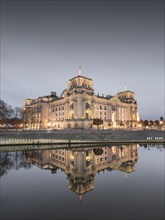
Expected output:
{"points": [[116, 182]]}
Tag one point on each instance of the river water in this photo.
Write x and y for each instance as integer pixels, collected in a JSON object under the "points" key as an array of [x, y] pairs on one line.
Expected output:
{"points": [[123, 182]]}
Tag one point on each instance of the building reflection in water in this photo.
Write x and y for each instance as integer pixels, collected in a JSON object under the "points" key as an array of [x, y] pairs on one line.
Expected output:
{"points": [[82, 164]]}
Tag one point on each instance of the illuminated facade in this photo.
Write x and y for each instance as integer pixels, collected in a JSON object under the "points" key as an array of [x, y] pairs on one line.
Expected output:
{"points": [[78, 106], [81, 165]]}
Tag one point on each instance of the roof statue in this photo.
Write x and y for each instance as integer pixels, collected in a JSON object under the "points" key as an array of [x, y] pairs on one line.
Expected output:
{"points": [[79, 71], [125, 87]]}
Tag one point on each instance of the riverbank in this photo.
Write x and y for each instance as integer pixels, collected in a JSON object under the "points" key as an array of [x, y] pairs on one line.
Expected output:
{"points": [[87, 135]]}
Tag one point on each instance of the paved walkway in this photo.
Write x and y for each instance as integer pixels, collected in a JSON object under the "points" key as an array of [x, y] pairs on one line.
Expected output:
{"points": [[112, 135]]}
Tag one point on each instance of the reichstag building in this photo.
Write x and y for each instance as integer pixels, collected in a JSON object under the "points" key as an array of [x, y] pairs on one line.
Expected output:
{"points": [[79, 107]]}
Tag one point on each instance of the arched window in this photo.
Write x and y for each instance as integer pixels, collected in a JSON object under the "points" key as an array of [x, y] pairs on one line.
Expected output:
{"points": [[71, 106], [88, 105]]}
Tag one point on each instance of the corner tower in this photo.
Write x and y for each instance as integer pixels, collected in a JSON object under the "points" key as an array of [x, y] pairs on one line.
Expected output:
{"points": [[80, 84], [80, 94]]}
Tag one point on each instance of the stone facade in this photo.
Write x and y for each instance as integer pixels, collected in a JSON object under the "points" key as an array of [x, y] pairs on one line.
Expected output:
{"points": [[78, 106]]}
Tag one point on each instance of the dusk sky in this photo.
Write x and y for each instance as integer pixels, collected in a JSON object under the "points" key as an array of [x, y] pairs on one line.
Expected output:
{"points": [[116, 42]]}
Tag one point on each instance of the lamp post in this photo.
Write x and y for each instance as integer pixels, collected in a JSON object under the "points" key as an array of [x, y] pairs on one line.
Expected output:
{"points": [[161, 123], [48, 124]]}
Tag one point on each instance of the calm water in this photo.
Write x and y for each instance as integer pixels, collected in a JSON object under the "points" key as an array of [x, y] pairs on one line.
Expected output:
{"points": [[117, 182]]}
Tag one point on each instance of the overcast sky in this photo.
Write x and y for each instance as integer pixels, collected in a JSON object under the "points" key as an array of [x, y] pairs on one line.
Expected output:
{"points": [[115, 42]]}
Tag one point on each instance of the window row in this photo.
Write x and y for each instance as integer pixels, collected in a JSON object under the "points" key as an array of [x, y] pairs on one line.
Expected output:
{"points": [[58, 157], [101, 159], [58, 109], [59, 114], [59, 119], [101, 107]]}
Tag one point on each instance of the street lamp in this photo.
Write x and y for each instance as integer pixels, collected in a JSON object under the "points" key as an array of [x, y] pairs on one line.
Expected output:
{"points": [[48, 124], [161, 123]]}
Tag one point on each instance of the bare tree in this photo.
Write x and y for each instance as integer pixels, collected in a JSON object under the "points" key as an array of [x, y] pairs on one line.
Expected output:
{"points": [[9, 115], [97, 121], [6, 110], [17, 112]]}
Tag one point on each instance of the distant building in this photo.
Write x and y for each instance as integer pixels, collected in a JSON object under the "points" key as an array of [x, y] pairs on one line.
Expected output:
{"points": [[78, 106]]}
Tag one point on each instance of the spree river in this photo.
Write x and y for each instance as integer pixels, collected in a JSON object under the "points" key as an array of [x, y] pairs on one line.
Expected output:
{"points": [[123, 182]]}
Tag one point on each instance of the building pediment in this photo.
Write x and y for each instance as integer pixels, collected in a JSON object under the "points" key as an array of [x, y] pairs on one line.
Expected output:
{"points": [[115, 99]]}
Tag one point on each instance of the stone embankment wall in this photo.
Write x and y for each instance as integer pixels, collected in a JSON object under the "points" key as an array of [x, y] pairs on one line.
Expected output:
{"points": [[111, 135]]}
